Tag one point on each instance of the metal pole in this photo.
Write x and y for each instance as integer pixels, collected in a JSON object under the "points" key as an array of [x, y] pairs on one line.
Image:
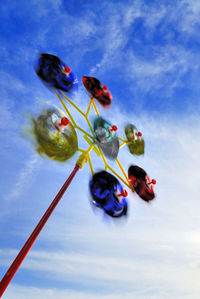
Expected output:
{"points": [[29, 243]]}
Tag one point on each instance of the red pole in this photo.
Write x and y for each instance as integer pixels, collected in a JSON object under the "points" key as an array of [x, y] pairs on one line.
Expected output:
{"points": [[29, 243]]}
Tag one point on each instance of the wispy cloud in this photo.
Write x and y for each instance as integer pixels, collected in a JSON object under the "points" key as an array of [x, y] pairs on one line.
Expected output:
{"points": [[113, 40], [136, 272], [189, 23], [9, 81], [21, 292], [161, 64], [157, 249], [24, 178], [157, 242]]}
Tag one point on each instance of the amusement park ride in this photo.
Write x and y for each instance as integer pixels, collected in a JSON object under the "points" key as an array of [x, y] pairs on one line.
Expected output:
{"points": [[55, 133]]}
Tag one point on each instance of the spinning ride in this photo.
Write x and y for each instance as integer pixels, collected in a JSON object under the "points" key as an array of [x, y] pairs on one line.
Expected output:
{"points": [[55, 133]]}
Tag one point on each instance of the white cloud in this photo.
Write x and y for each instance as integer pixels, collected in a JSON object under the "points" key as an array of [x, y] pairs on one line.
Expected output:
{"points": [[157, 268], [6, 119], [113, 36], [167, 62], [9, 81], [155, 254], [189, 21], [24, 178], [36, 293], [154, 251]]}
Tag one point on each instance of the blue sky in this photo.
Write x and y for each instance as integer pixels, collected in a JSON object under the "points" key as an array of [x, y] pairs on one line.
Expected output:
{"points": [[147, 53]]}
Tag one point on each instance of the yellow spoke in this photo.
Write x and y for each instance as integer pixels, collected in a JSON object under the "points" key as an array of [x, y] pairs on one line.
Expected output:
{"points": [[95, 107], [89, 106], [90, 163], [122, 144], [72, 103], [83, 131], [125, 141], [90, 142], [122, 169], [66, 109], [85, 157], [89, 125], [119, 177], [81, 150]]}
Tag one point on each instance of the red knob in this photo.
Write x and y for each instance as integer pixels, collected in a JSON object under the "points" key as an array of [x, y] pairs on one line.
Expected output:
{"points": [[64, 121], [67, 70], [124, 193], [114, 128], [139, 134], [105, 88], [152, 182]]}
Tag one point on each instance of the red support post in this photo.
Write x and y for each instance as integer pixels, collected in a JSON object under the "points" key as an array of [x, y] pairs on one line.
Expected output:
{"points": [[29, 243]]}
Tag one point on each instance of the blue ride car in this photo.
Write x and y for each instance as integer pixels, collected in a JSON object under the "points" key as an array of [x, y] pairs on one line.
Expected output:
{"points": [[106, 193], [55, 73]]}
